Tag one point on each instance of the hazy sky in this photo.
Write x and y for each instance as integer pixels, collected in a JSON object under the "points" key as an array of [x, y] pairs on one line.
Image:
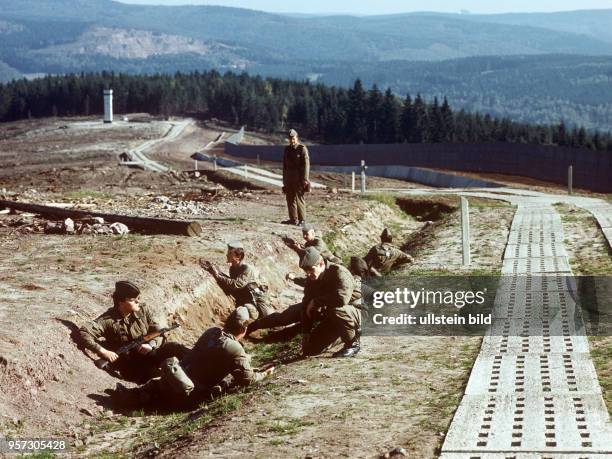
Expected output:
{"points": [[393, 6]]}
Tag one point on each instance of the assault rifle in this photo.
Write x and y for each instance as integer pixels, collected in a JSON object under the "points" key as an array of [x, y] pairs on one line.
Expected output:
{"points": [[129, 347]]}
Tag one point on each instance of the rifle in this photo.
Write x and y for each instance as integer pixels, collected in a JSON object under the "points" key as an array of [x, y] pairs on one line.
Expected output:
{"points": [[127, 348]]}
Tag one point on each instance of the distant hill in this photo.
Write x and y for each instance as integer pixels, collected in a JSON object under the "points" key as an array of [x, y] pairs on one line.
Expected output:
{"points": [[543, 89], [8, 73], [407, 52], [267, 37], [592, 23]]}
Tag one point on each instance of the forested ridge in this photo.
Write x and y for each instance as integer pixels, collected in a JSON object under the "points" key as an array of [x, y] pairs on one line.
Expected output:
{"points": [[328, 114]]}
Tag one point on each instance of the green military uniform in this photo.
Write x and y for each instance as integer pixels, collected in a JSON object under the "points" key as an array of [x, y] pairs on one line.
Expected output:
{"points": [[321, 247], [296, 170], [337, 298], [218, 357], [118, 331], [217, 361], [383, 257], [243, 284]]}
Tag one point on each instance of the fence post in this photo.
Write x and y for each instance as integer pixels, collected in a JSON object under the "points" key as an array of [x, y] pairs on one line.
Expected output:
{"points": [[570, 179], [363, 176], [465, 230], [353, 181]]}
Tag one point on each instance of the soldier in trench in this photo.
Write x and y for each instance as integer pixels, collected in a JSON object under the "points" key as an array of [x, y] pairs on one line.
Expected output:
{"points": [[125, 322], [242, 282], [384, 257], [216, 364]]}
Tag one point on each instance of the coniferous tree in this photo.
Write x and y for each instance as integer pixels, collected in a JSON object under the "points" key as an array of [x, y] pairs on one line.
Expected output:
{"points": [[356, 123], [406, 120], [390, 113]]}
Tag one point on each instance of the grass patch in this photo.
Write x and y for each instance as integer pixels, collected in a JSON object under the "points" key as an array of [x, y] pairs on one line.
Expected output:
{"points": [[87, 194], [330, 240], [387, 199], [601, 353], [264, 353], [289, 427]]}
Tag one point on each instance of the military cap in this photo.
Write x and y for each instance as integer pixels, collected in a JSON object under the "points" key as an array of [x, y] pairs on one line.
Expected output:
{"points": [[311, 258], [307, 227], [235, 245], [386, 236], [293, 133], [241, 313], [126, 289]]}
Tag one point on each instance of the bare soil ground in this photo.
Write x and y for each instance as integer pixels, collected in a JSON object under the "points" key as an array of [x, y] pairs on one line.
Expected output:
{"points": [[398, 392]]}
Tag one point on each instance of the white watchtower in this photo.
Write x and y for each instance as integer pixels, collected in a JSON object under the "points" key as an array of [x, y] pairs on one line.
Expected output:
{"points": [[108, 105]]}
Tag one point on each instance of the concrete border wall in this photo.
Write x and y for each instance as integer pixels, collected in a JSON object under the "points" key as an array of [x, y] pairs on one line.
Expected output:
{"points": [[592, 170], [414, 174]]}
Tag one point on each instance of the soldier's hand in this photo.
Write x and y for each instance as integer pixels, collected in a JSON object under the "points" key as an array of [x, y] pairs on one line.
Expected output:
{"points": [[290, 276], [205, 264], [108, 355], [144, 349], [284, 190]]}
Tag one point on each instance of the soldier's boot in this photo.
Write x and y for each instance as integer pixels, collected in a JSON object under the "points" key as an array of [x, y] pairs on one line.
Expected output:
{"points": [[290, 222], [350, 349]]}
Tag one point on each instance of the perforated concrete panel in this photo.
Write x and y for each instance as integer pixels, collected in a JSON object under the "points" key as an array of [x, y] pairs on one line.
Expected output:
{"points": [[532, 303], [493, 345], [535, 250], [551, 283], [532, 373], [530, 423], [533, 391], [536, 265], [535, 236]]}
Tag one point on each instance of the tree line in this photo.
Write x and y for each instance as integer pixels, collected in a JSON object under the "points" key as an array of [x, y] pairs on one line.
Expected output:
{"points": [[327, 114]]}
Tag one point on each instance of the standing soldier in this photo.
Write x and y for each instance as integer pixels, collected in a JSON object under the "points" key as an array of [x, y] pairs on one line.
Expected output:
{"points": [[296, 172], [127, 321], [242, 282], [384, 257]]}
